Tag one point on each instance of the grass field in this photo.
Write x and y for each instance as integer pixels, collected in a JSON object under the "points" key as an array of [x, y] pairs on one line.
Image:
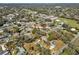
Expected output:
{"points": [[70, 22]]}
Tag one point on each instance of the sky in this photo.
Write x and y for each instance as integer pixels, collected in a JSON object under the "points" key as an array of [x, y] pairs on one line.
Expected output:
{"points": [[39, 1]]}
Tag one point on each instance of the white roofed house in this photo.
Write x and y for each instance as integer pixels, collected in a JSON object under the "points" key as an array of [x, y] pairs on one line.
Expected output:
{"points": [[58, 7], [73, 29], [57, 20], [10, 17], [3, 47], [44, 38], [53, 44], [4, 50], [21, 51]]}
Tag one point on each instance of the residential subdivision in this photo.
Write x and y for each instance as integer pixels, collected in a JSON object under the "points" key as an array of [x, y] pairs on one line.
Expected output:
{"points": [[48, 30]]}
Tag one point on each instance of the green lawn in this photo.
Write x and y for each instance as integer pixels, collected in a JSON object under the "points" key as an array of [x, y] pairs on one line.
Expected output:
{"points": [[68, 51], [70, 22]]}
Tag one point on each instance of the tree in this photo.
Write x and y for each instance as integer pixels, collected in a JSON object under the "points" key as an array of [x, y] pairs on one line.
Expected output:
{"points": [[44, 51], [0, 48], [68, 51]]}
